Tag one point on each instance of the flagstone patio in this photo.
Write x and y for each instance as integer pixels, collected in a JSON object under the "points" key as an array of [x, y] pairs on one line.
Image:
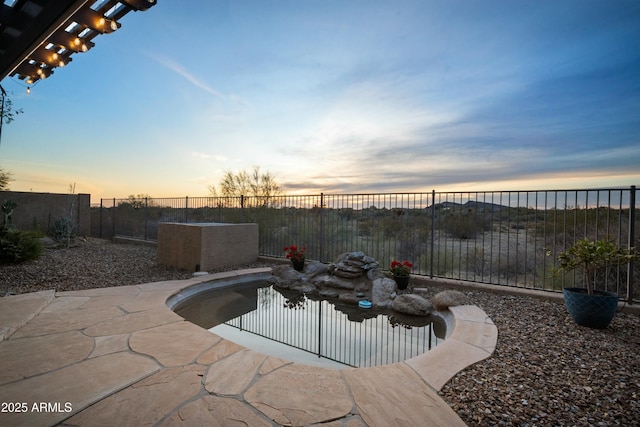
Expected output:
{"points": [[120, 356]]}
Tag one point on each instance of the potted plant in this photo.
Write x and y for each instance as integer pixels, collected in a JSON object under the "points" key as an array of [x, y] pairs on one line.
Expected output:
{"points": [[297, 255], [589, 306], [400, 271]]}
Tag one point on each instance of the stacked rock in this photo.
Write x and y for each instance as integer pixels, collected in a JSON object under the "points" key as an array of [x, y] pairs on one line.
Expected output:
{"points": [[352, 265]]}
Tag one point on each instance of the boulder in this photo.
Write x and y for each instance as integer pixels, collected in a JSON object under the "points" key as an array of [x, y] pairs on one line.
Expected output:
{"points": [[285, 276], [352, 265], [315, 268], [381, 292], [328, 293], [412, 304], [347, 271], [349, 298], [449, 298], [375, 274], [324, 280]]}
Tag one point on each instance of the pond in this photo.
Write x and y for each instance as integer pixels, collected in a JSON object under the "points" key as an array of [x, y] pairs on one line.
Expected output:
{"points": [[329, 329]]}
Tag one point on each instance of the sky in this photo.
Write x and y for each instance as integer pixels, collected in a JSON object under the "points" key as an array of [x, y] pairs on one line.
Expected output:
{"points": [[343, 96]]}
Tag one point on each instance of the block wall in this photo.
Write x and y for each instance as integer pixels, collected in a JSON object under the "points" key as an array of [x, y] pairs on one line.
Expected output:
{"points": [[207, 246], [41, 210]]}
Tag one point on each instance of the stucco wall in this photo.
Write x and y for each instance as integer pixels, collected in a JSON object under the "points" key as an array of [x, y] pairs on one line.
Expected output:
{"points": [[207, 246], [42, 210]]}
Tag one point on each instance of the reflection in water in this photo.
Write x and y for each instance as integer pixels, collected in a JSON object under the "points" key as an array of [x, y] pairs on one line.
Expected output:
{"points": [[330, 329]]}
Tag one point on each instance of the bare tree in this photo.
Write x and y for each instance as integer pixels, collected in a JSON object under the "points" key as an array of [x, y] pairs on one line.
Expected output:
{"points": [[5, 179], [260, 185]]}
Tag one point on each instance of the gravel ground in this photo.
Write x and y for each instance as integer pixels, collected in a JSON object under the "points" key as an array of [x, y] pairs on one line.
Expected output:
{"points": [[546, 371]]}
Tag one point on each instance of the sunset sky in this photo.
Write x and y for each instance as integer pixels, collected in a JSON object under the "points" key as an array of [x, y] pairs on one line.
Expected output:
{"points": [[340, 97]]}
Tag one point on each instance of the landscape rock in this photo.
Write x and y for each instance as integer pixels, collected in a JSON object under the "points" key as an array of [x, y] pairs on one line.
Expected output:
{"points": [[328, 293], [412, 304], [326, 280], [375, 274], [352, 265], [449, 298], [285, 276], [315, 268], [303, 287], [381, 292]]}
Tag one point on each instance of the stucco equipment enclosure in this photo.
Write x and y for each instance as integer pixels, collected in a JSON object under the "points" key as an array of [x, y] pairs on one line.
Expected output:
{"points": [[207, 246]]}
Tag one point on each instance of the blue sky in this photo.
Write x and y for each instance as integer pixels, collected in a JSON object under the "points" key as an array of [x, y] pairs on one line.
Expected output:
{"points": [[340, 96]]}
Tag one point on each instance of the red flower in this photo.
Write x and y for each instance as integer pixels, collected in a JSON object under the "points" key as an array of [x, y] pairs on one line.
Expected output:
{"points": [[400, 268], [295, 253]]}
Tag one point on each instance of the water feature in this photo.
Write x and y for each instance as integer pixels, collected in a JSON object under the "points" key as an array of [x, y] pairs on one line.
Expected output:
{"points": [[325, 328]]}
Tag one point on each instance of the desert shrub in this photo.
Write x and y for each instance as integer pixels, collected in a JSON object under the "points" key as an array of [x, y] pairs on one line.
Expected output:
{"points": [[476, 261], [562, 228], [18, 246], [64, 230], [464, 226], [514, 265], [366, 226]]}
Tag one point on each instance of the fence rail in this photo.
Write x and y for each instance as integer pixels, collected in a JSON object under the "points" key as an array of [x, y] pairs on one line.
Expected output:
{"points": [[328, 330], [507, 238]]}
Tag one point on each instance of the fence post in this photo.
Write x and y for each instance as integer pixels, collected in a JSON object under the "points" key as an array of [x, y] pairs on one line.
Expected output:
{"points": [[320, 329], [113, 219], [100, 230], [433, 231], [242, 208], [186, 209], [146, 216], [631, 243], [321, 237]]}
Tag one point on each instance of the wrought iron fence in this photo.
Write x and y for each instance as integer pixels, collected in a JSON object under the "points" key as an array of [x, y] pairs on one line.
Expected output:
{"points": [[508, 238], [338, 331]]}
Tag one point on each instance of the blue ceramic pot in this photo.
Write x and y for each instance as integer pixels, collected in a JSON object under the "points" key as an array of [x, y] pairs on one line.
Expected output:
{"points": [[593, 311]]}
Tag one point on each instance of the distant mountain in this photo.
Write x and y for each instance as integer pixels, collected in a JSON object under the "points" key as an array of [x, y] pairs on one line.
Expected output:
{"points": [[472, 205]]}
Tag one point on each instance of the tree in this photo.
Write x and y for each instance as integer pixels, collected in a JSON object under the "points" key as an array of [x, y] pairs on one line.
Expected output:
{"points": [[7, 113], [138, 201], [5, 178], [262, 186]]}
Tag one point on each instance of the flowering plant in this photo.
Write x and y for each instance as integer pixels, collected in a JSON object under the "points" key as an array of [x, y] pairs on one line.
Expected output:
{"points": [[401, 268], [295, 253]]}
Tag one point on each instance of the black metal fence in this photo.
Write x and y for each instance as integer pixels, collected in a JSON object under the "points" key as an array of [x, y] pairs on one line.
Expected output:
{"points": [[342, 333], [508, 238]]}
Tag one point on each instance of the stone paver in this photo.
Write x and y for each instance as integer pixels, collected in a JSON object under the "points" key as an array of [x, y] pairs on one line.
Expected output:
{"points": [[17, 310], [222, 349], [394, 395], [120, 356], [154, 396], [110, 344], [217, 411], [64, 304], [232, 375], [52, 322], [300, 395], [78, 385], [26, 357], [173, 344]]}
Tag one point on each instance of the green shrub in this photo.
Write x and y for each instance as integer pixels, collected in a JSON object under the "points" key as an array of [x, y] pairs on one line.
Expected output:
{"points": [[18, 246]]}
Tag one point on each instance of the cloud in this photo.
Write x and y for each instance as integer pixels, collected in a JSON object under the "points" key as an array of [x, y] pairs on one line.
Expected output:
{"points": [[184, 73], [215, 157]]}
